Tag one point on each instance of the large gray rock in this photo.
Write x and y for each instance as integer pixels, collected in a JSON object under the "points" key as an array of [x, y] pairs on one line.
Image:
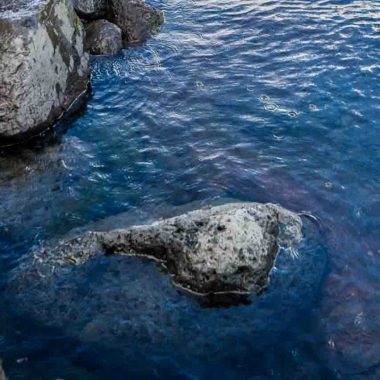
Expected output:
{"points": [[229, 248], [103, 38], [43, 67], [136, 19], [90, 9]]}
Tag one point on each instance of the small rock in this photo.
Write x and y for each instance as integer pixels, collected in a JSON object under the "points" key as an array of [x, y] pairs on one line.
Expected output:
{"points": [[137, 20], [103, 38]]}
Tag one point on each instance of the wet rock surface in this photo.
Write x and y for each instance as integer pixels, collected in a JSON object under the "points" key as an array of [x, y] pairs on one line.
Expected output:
{"points": [[229, 248], [90, 9], [43, 66], [137, 20], [103, 38]]}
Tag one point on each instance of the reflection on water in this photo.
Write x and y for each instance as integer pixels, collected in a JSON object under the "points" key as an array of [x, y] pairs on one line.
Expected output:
{"points": [[251, 100]]}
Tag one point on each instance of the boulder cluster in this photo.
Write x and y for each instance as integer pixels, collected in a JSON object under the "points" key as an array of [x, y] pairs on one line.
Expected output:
{"points": [[44, 60], [110, 24]]}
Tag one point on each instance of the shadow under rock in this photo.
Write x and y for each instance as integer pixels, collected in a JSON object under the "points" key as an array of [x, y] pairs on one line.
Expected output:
{"points": [[46, 135]]}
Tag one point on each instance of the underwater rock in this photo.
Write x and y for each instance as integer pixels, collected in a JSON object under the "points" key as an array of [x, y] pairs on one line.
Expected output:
{"points": [[136, 19], [229, 248], [103, 38], [43, 66], [2, 373], [90, 9], [115, 299]]}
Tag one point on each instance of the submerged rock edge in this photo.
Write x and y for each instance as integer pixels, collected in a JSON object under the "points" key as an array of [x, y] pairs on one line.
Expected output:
{"points": [[221, 249], [2, 373]]}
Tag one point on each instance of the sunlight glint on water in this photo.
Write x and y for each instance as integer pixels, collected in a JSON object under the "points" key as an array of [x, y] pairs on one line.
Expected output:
{"points": [[251, 100]]}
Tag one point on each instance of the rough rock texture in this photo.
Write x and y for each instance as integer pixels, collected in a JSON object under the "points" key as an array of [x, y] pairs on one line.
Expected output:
{"points": [[136, 19], [90, 9], [221, 249], [43, 67], [103, 38], [114, 299]]}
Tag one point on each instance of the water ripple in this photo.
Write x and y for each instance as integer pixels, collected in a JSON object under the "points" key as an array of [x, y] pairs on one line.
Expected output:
{"points": [[252, 100]]}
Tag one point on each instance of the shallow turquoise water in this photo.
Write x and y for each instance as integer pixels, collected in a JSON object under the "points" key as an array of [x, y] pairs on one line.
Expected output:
{"points": [[254, 100]]}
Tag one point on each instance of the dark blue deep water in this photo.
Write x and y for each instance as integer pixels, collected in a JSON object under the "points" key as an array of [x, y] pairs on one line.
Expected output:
{"points": [[251, 100]]}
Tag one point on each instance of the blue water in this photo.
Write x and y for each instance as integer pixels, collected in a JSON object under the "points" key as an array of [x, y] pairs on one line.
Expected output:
{"points": [[252, 100]]}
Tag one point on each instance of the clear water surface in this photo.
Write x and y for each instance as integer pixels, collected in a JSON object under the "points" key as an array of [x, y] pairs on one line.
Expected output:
{"points": [[251, 100]]}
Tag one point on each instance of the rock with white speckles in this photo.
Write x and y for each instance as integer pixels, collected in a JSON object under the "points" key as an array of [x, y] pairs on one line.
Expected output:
{"points": [[229, 248], [43, 66]]}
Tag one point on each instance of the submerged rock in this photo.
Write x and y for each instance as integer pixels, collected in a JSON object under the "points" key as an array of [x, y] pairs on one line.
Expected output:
{"points": [[136, 19], [90, 9], [110, 300], [103, 38], [229, 248], [2, 373], [43, 67]]}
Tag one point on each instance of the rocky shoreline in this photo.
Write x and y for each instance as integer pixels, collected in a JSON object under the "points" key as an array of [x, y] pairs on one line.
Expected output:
{"points": [[44, 55]]}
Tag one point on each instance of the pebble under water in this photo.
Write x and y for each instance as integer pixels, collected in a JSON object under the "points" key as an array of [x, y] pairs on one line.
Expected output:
{"points": [[252, 100]]}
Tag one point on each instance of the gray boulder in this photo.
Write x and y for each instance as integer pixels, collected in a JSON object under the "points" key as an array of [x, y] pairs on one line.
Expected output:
{"points": [[136, 19], [90, 9], [229, 248], [43, 67], [103, 38]]}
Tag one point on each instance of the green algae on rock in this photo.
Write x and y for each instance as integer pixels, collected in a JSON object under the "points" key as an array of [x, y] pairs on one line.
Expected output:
{"points": [[43, 66]]}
